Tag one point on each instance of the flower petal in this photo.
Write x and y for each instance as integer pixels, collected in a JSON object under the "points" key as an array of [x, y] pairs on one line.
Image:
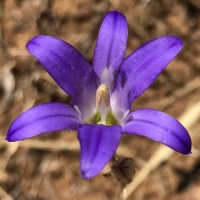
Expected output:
{"points": [[98, 145], [141, 68], [43, 118], [160, 127], [67, 67], [111, 44]]}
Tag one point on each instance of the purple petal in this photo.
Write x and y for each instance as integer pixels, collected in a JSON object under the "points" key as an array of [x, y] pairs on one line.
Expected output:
{"points": [[160, 127], [141, 68], [67, 67], [111, 44], [43, 118], [98, 145]]}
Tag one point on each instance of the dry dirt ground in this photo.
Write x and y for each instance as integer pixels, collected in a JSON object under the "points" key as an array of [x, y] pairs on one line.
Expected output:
{"points": [[47, 167]]}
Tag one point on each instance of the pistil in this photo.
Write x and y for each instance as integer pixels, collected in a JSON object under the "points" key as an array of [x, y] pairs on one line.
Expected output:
{"points": [[103, 101], [102, 97]]}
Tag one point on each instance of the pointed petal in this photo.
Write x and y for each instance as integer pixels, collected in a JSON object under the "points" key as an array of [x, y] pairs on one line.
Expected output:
{"points": [[43, 118], [98, 145], [160, 127], [141, 68], [67, 67], [111, 44]]}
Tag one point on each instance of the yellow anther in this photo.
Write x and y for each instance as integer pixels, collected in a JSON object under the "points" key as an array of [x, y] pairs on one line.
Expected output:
{"points": [[102, 96]]}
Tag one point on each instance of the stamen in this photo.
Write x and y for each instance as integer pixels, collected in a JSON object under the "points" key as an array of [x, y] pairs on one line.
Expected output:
{"points": [[102, 97], [78, 110], [125, 114], [123, 120]]}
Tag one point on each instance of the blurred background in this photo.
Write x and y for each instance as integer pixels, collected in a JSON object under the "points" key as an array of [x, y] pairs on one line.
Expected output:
{"points": [[47, 167]]}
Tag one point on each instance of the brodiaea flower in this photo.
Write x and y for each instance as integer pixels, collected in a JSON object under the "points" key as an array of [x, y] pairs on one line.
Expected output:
{"points": [[102, 95]]}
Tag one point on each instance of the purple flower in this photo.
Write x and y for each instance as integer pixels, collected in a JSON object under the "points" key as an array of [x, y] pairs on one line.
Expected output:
{"points": [[102, 95]]}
